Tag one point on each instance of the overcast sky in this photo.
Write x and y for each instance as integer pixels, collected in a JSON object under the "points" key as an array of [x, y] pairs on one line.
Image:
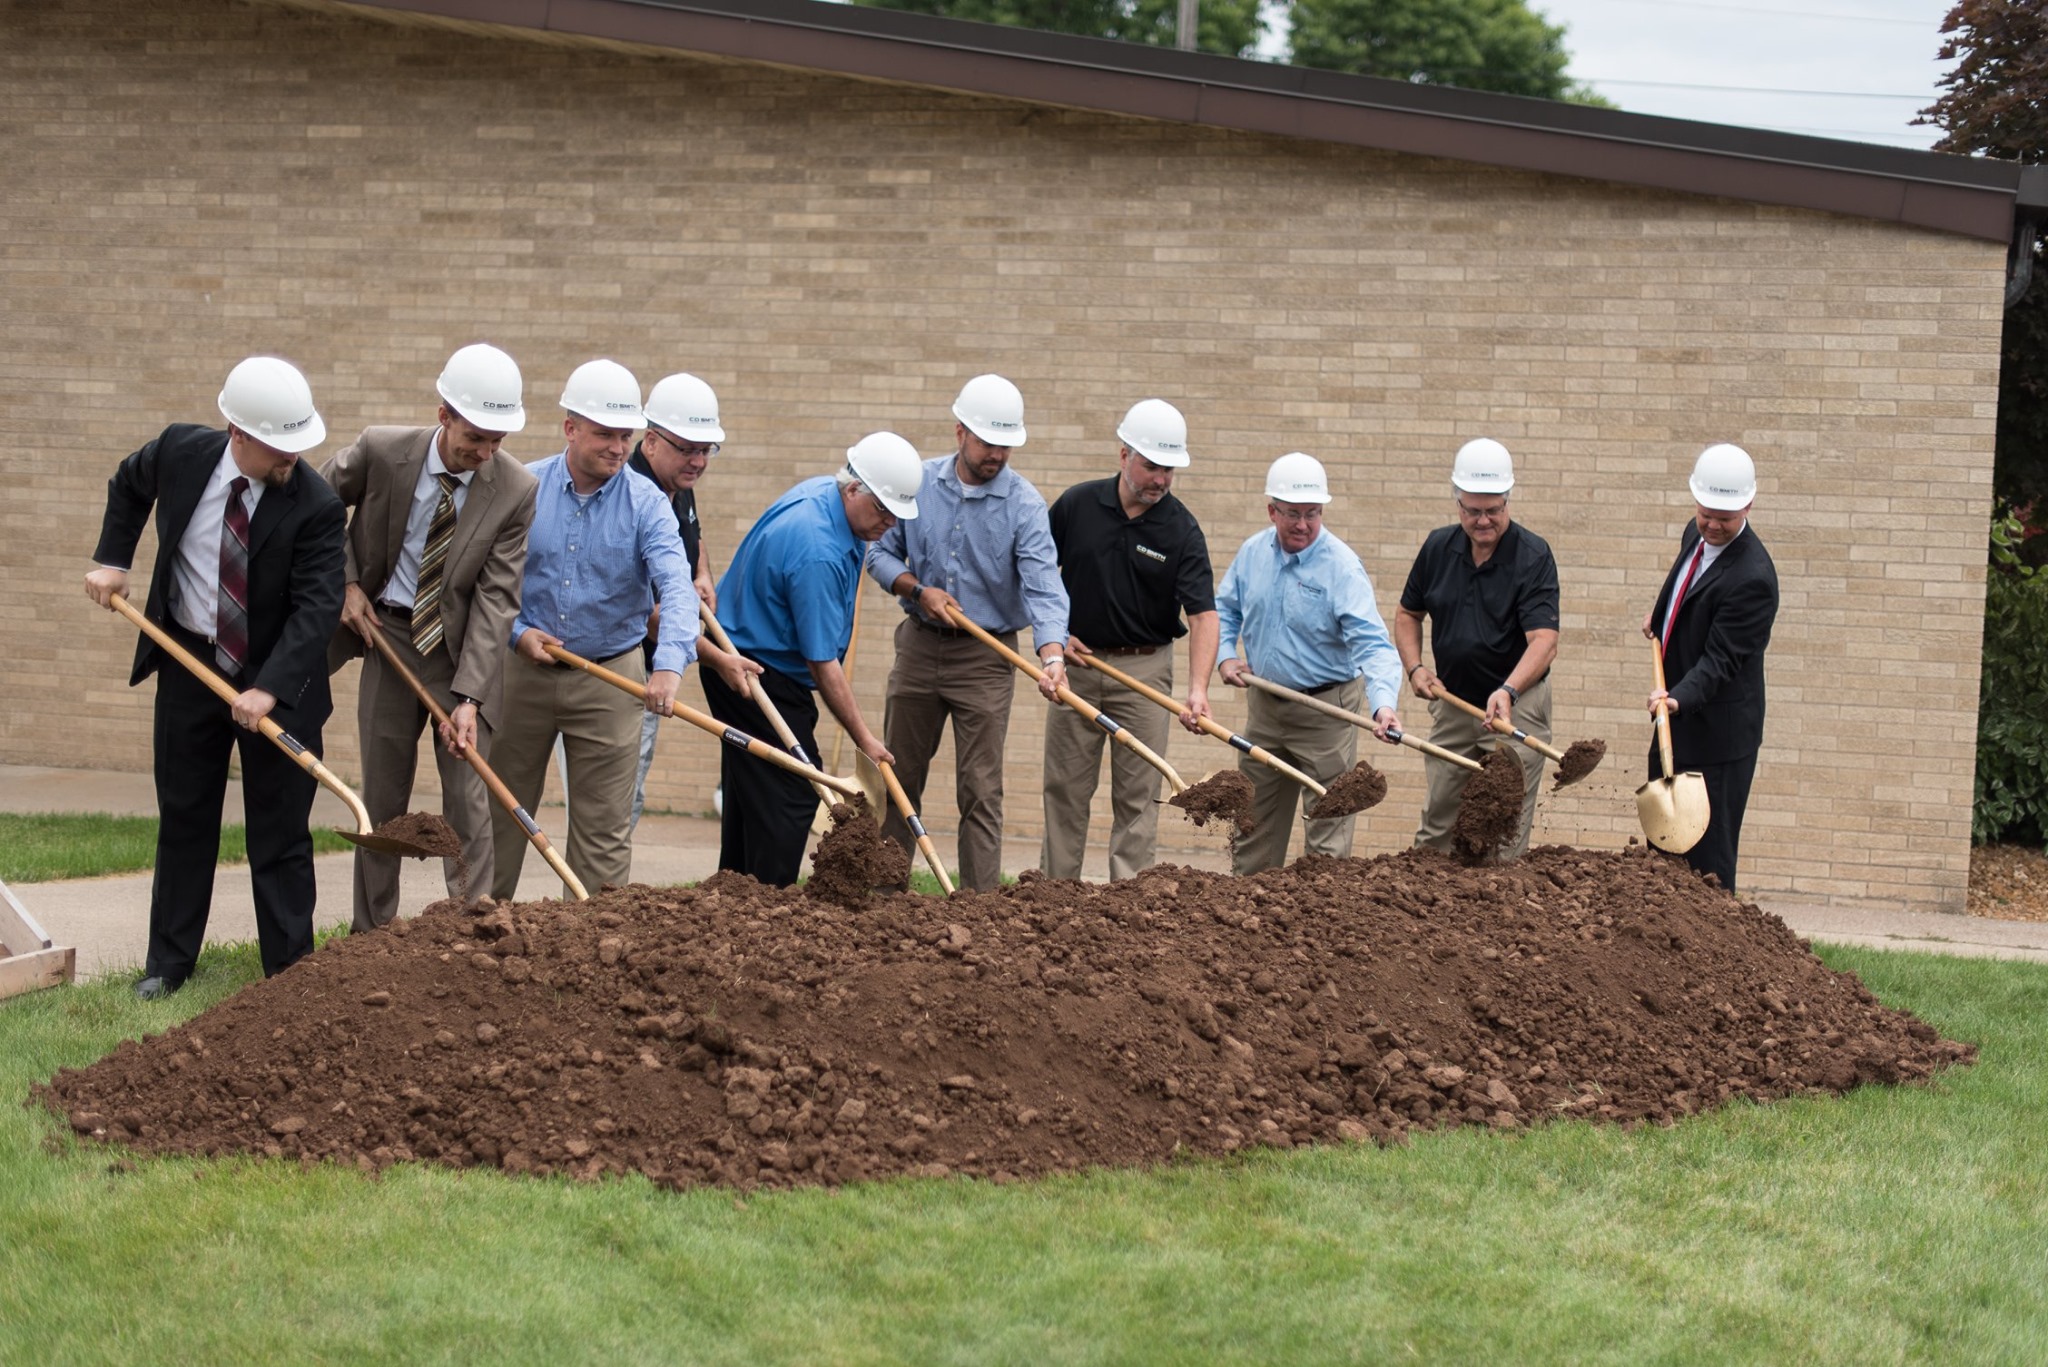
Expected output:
{"points": [[1870, 64]]}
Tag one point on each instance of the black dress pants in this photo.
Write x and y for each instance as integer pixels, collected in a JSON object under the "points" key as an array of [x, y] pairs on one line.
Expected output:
{"points": [[1727, 797], [767, 818], [194, 737]]}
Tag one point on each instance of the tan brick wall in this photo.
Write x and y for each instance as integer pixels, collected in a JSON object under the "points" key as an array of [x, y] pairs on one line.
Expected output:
{"points": [[194, 181]]}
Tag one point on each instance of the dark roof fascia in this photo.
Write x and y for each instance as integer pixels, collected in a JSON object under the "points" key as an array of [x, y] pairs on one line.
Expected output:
{"points": [[1970, 196]]}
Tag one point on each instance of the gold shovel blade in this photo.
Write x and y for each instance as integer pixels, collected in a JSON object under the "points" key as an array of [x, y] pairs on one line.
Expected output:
{"points": [[1673, 811], [868, 775]]}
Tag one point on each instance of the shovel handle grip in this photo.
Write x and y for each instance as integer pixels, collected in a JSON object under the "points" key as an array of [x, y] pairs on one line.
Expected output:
{"points": [[225, 691], [1209, 725], [739, 740], [1505, 728], [505, 796], [1071, 699]]}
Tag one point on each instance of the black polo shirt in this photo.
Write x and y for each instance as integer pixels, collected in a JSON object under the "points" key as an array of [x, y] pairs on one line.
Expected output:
{"points": [[1129, 578], [683, 503], [1480, 618]]}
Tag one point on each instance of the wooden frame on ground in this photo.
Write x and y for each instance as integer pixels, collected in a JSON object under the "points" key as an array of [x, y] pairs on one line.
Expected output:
{"points": [[27, 958]]}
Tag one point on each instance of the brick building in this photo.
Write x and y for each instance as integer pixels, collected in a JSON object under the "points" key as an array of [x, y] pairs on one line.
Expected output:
{"points": [[838, 215]]}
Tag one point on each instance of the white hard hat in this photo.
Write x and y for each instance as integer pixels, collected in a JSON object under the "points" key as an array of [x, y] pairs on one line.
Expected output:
{"points": [[1297, 478], [270, 400], [890, 468], [606, 393], [992, 409], [482, 383], [1483, 466], [684, 406], [1724, 478], [1155, 429]]}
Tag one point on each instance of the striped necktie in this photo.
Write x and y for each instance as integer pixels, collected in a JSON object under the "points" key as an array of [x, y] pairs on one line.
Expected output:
{"points": [[1678, 599], [231, 604], [426, 600]]}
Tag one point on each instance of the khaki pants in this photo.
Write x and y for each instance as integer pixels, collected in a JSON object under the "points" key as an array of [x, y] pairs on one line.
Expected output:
{"points": [[389, 719], [936, 677], [1466, 735], [1073, 766], [600, 730], [1321, 747]]}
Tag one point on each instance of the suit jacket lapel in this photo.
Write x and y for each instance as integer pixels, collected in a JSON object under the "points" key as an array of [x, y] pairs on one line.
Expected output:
{"points": [[272, 509], [405, 480], [175, 504], [476, 507]]}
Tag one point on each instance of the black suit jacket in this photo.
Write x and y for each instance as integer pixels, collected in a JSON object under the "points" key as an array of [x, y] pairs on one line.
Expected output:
{"points": [[1714, 665], [295, 560]]}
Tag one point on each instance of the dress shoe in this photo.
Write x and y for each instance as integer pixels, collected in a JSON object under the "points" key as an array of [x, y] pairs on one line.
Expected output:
{"points": [[154, 988]]}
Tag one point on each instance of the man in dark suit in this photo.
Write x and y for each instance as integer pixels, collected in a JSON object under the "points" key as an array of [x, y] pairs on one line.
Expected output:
{"points": [[436, 552], [248, 575], [1714, 616]]}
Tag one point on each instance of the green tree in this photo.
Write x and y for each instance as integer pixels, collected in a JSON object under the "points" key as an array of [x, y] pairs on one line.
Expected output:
{"points": [[1995, 103], [1227, 27], [1498, 45]]}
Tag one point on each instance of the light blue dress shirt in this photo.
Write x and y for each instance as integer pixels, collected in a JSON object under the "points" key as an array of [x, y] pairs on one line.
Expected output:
{"points": [[590, 561], [787, 597], [989, 545], [1307, 619]]}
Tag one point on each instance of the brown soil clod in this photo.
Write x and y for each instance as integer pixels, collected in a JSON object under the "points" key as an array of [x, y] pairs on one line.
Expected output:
{"points": [[750, 1036], [1581, 758], [1357, 789], [854, 858], [425, 832], [1490, 812], [1223, 796]]}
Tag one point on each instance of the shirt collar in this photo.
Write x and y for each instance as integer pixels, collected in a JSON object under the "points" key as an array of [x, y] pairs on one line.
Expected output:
{"points": [[569, 480], [999, 487]]}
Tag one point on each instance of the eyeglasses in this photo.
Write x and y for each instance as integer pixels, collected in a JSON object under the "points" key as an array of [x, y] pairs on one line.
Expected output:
{"points": [[685, 448], [1498, 510], [1306, 518]]}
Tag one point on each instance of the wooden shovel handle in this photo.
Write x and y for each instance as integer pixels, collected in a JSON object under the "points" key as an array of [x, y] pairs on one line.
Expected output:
{"points": [[909, 814], [1505, 728], [225, 691], [1067, 696], [1663, 708], [1208, 725], [739, 740], [761, 700], [505, 796], [1359, 720]]}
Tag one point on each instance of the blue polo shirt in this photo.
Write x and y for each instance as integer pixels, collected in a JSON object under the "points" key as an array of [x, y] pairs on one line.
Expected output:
{"points": [[787, 597]]}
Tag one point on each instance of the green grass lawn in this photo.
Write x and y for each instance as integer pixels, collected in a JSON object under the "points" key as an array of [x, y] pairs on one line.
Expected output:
{"points": [[1889, 1226], [37, 847]]}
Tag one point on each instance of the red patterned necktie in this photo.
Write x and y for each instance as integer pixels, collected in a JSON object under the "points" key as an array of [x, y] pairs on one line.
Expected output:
{"points": [[231, 620], [1678, 599]]}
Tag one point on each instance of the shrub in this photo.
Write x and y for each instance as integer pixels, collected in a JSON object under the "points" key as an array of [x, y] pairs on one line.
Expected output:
{"points": [[2012, 703]]}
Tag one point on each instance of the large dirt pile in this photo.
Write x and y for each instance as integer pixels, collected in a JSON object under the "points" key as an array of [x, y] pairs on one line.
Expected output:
{"points": [[737, 1034]]}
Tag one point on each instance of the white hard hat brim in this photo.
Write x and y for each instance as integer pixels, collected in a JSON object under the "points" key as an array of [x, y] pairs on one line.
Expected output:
{"points": [[484, 421], [1721, 501], [618, 422], [1483, 484], [712, 435], [994, 436], [305, 439], [904, 508], [1171, 460]]}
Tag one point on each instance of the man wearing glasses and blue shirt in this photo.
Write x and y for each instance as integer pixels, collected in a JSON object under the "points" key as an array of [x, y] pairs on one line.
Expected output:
{"points": [[1489, 589], [1301, 606]]}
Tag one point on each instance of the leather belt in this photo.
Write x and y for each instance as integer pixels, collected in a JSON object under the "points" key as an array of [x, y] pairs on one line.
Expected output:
{"points": [[950, 633], [1125, 650], [1317, 690]]}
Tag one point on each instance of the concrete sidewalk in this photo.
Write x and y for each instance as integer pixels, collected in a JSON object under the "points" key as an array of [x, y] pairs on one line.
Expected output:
{"points": [[106, 919]]}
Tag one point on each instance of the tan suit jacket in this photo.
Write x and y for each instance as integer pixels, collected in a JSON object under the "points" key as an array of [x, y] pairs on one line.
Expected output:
{"points": [[375, 476]]}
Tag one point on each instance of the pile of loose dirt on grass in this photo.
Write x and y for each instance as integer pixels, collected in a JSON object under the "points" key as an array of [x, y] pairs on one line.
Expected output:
{"points": [[1490, 809], [854, 858], [423, 831], [1358, 788], [1223, 796], [737, 1034], [1581, 758]]}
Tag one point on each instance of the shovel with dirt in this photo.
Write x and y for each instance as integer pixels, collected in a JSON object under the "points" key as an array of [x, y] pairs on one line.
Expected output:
{"points": [[484, 771], [365, 835], [1673, 809], [1362, 788], [1573, 763]]}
